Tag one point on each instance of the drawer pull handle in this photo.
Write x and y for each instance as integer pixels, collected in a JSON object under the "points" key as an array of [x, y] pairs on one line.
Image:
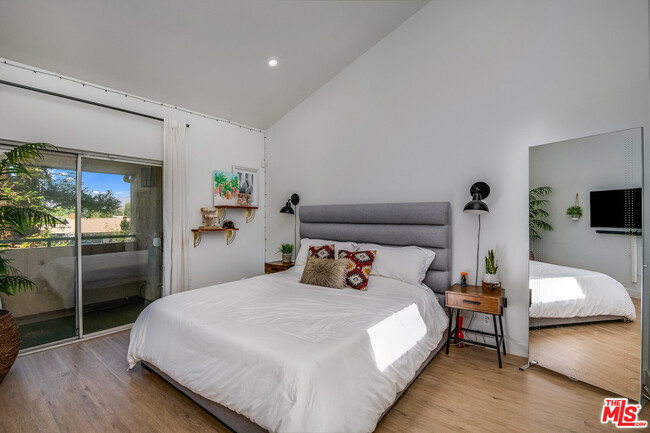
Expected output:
{"points": [[465, 301]]}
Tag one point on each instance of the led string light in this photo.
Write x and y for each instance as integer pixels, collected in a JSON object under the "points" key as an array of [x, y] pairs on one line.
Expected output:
{"points": [[126, 95]]}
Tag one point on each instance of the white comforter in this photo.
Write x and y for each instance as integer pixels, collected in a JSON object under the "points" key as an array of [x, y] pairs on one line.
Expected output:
{"points": [[289, 356], [563, 292]]}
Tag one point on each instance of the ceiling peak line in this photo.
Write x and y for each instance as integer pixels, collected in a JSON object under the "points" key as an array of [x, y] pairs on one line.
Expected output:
{"points": [[126, 95]]}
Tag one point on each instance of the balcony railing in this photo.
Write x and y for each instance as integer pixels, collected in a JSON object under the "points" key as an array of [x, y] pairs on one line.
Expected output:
{"points": [[85, 240]]}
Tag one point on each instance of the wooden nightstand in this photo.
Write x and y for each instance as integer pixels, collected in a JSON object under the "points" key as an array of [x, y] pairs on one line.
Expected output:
{"points": [[277, 266], [478, 299]]}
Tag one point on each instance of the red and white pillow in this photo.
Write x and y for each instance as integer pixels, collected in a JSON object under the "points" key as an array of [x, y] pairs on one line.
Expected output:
{"points": [[305, 243], [321, 252], [359, 264]]}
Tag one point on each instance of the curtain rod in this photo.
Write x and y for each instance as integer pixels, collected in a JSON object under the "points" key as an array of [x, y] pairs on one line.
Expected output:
{"points": [[85, 101]]}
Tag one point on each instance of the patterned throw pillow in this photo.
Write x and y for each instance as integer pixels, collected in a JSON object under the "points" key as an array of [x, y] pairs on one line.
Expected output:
{"points": [[358, 267], [322, 252]]}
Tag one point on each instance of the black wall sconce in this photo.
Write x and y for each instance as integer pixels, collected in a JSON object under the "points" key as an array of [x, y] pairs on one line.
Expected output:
{"points": [[477, 206], [288, 209]]}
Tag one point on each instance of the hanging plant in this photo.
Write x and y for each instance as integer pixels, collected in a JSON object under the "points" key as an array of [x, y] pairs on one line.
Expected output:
{"points": [[575, 211]]}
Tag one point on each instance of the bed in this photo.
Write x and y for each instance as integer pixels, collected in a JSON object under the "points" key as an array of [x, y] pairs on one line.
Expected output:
{"points": [[100, 271], [562, 295], [271, 354]]}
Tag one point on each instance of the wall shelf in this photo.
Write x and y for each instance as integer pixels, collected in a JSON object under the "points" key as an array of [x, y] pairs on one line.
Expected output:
{"points": [[230, 235], [250, 212]]}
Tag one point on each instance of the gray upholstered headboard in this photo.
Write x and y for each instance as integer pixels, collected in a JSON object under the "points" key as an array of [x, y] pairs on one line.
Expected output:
{"points": [[425, 225]]}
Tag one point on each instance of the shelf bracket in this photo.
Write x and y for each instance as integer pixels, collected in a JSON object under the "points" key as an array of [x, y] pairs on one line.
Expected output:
{"points": [[221, 215], [197, 239], [230, 237], [250, 215]]}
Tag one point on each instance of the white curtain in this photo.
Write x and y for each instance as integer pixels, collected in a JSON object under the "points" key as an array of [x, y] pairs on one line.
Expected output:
{"points": [[176, 230]]}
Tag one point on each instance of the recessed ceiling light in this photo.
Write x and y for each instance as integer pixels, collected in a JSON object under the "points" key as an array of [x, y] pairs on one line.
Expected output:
{"points": [[273, 62]]}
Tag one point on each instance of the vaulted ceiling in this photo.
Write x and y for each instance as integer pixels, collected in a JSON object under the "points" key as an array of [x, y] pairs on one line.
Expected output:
{"points": [[205, 55]]}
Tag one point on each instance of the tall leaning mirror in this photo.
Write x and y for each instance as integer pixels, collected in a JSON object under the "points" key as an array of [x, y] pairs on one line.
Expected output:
{"points": [[586, 259]]}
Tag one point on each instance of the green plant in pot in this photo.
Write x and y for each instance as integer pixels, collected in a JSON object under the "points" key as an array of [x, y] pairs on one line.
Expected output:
{"points": [[575, 212], [490, 278], [286, 250], [15, 220], [537, 214]]}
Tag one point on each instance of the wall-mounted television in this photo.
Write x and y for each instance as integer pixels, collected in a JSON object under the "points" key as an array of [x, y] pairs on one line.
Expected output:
{"points": [[616, 208]]}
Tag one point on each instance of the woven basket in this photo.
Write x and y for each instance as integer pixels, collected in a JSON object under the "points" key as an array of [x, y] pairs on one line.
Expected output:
{"points": [[9, 342]]}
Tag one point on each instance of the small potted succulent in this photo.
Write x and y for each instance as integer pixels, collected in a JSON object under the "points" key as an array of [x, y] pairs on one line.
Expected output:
{"points": [[286, 250], [575, 212], [490, 278]]}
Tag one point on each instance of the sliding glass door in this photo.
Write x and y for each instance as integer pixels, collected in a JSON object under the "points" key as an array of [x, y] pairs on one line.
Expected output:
{"points": [[121, 225], [98, 268]]}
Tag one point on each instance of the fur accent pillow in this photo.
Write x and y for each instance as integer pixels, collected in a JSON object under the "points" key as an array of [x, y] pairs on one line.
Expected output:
{"points": [[324, 272]]}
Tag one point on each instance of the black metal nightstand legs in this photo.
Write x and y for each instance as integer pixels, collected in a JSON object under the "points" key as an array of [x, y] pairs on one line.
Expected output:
{"points": [[451, 320], [497, 336], [503, 337]]}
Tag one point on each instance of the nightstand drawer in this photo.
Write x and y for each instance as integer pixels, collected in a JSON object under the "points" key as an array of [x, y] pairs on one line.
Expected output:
{"points": [[278, 266], [269, 269], [472, 303]]}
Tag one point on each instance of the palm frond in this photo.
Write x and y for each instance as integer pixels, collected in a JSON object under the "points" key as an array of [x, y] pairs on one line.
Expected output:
{"points": [[5, 268], [534, 236], [537, 213], [7, 169], [27, 152], [10, 284], [541, 191], [17, 219], [20, 220], [534, 202], [13, 161], [539, 224]]}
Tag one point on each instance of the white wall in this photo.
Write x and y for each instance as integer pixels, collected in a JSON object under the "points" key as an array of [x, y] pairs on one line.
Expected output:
{"points": [[579, 166], [31, 117], [457, 94]]}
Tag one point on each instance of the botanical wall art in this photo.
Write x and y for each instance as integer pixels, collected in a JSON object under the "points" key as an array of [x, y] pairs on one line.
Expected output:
{"points": [[226, 188]]}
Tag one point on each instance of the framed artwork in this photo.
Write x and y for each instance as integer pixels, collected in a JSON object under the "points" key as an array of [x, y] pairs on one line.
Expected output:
{"points": [[226, 188], [248, 191]]}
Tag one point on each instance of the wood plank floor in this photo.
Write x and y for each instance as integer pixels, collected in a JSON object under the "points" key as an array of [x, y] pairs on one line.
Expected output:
{"points": [[605, 354], [85, 387]]}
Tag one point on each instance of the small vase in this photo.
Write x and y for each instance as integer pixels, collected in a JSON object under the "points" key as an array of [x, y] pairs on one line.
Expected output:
{"points": [[286, 257], [491, 281]]}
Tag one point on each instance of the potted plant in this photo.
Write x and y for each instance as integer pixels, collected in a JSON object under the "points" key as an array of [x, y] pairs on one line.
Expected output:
{"points": [[16, 220], [286, 250], [490, 278], [575, 212], [537, 214]]}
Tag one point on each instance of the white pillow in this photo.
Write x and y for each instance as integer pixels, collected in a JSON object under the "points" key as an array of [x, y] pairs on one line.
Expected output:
{"points": [[305, 243], [408, 264]]}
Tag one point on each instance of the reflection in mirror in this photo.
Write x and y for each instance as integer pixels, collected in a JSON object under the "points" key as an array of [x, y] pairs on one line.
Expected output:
{"points": [[586, 259]]}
